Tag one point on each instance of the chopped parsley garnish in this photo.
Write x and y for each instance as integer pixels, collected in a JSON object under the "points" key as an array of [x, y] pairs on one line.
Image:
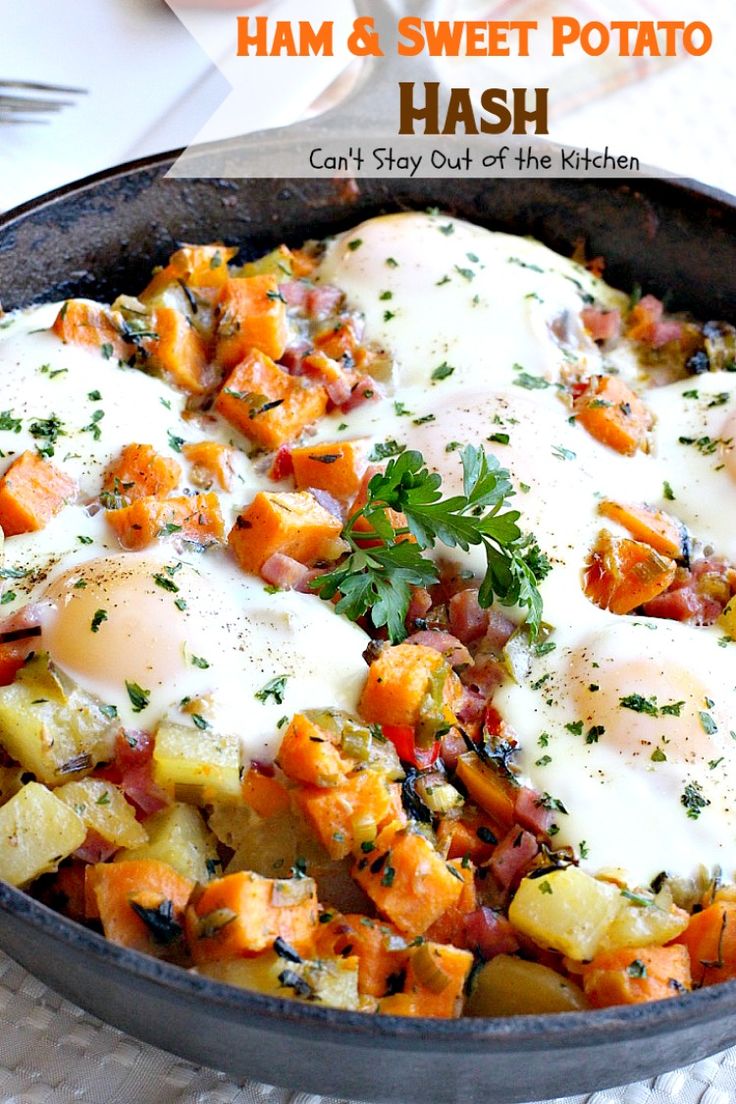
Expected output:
{"points": [[499, 438], [13, 573], [386, 295], [159, 921], [84, 540], [545, 887], [107, 350], [355, 244], [109, 711], [466, 273], [382, 450], [563, 453], [575, 728], [424, 420], [442, 372], [8, 596], [636, 969], [544, 761], [709, 726], [139, 698], [401, 411], [531, 383], [198, 661], [275, 688], [594, 734], [99, 616], [94, 396], [658, 756], [640, 704], [380, 578], [694, 800], [94, 427], [200, 722], [583, 849], [9, 423], [174, 441], [706, 446], [180, 603], [49, 430], [166, 583]]}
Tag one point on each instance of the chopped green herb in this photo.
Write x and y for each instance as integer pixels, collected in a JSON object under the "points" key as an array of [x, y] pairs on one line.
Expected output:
{"points": [[174, 441], [84, 540], [658, 756], [166, 584], [355, 244], [275, 688], [442, 372], [636, 969], [531, 383], [563, 453], [708, 724], [693, 800], [200, 722], [382, 450], [139, 698], [197, 661], [640, 704], [99, 617]]}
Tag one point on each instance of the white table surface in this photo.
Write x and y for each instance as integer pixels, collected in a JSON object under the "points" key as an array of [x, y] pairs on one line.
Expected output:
{"points": [[152, 88]]}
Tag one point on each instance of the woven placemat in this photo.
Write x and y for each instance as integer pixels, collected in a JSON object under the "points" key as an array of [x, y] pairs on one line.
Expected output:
{"points": [[51, 1052]]}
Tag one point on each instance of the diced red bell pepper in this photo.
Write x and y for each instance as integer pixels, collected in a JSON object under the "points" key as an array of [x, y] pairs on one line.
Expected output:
{"points": [[404, 740]]}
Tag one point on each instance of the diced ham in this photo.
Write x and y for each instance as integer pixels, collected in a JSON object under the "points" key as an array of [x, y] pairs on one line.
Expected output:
{"points": [[323, 301], [139, 787], [295, 292], [489, 933], [485, 676], [471, 708], [602, 325], [698, 594], [452, 747], [340, 390], [284, 572], [419, 606], [664, 332], [305, 585], [95, 848], [365, 390], [530, 814], [467, 620], [653, 307], [500, 628], [294, 355], [132, 748], [449, 646], [513, 854], [283, 465]]}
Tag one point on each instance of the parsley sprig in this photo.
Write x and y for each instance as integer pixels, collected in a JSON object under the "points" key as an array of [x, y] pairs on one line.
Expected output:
{"points": [[379, 578]]}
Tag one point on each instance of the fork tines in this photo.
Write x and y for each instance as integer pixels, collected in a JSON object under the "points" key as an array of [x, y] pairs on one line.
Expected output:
{"points": [[17, 106]]}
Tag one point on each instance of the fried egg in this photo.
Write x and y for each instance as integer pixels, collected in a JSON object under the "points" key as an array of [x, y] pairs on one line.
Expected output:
{"points": [[177, 624]]}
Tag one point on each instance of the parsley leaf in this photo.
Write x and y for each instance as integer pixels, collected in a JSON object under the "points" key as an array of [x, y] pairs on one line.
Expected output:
{"points": [[379, 578]]}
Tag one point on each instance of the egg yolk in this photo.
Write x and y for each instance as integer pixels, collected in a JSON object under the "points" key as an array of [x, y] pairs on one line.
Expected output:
{"points": [[124, 618]]}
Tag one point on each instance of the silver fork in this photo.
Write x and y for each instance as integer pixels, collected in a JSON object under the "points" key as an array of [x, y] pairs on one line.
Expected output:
{"points": [[32, 101]]}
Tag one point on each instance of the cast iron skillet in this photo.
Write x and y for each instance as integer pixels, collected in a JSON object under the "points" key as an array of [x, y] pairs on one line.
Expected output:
{"points": [[101, 237]]}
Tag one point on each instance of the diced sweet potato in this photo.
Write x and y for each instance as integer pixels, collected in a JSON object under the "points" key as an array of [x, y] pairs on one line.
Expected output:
{"points": [[265, 794], [94, 327], [345, 817], [179, 352], [622, 574], [266, 404], [659, 530], [379, 947], [450, 927], [613, 414], [339, 341], [409, 883], [140, 471], [141, 903], [212, 463], [710, 939], [32, 491], [494, 793], [243, 913], [309, 754], [637, 974], [203, 267], [252, 315], [405, 683], [293, 524], [336, 467], [435, 979], [194, 517]]}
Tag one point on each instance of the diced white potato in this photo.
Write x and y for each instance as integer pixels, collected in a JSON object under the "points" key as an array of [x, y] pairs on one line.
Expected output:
{"points": [[179, 836], [103, 808], [565, 910], [508, 986], [37, 831], [53, 728], [640, 924], [199, 766], [331, 981]]}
